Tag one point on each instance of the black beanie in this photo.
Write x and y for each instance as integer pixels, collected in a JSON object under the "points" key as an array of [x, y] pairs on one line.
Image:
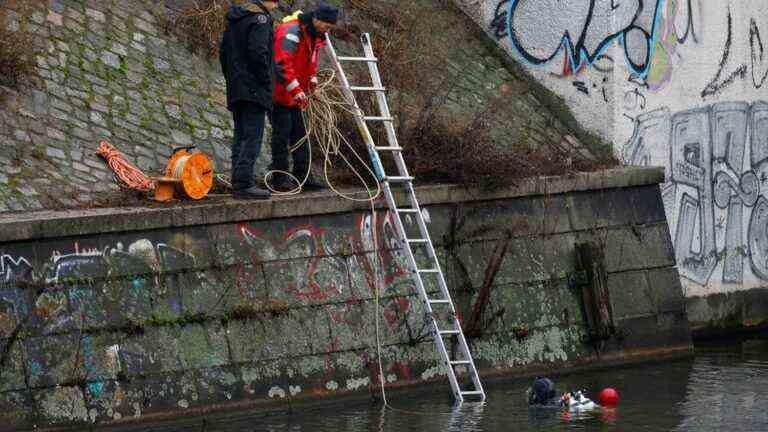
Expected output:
{"points": [[543, 390], [325, 12]]}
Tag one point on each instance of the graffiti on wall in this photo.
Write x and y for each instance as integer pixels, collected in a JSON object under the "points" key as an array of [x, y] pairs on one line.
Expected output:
{"points": [[649, 32], [715, 196], [731, 70], [678, 25], [540, 30], [12, 304], [13, 269], [76, 265], [142, 256], [301, 240], [324, 250]]}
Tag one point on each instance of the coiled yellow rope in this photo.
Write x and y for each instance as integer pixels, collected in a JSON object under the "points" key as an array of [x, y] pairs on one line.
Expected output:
{"points": [[326, 106]]}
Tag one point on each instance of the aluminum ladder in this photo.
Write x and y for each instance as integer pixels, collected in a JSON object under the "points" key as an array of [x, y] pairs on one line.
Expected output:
{"points": [[408, 243]]}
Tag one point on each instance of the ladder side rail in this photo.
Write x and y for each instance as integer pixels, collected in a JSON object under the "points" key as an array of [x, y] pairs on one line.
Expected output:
{"points": [[385, 112], [442, 349], [424, 231], [358, 112], [473, 372], [463, 346], [381, 98], [443, 352], [374, 155], [400, 162], [442, 284], [400, 227]]}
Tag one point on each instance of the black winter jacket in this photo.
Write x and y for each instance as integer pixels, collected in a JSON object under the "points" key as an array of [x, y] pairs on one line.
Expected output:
{"points": [[247, 55]]}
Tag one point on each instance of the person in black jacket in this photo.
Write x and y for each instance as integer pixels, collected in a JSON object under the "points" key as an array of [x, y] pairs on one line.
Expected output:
{"points": [[247, 62]]}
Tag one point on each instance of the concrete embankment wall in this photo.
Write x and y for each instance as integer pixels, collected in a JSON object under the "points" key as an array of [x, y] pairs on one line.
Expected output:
{"points": [[672, 83], [130, 314]]}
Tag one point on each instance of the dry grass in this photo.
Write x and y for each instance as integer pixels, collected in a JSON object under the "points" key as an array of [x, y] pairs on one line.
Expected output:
{"points": [[201, 24], [444, 142]]}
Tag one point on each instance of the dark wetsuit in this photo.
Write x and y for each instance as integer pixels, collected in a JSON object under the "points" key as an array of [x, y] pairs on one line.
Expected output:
{"points": [[543, 395]]}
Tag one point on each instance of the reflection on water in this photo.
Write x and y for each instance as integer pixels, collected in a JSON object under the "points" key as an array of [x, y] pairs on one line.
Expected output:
{"points": [[723, 388], [731, 382]]}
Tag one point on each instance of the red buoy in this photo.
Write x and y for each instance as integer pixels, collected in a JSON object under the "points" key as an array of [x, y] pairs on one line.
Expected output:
{"points": [[609, 397]]}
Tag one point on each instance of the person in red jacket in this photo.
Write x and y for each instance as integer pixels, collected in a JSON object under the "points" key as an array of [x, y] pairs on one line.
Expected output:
{"points": [[297, 46]]}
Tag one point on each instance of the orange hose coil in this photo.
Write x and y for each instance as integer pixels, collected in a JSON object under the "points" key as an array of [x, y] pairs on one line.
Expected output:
{"points": [[194, 172], [125, 172]]}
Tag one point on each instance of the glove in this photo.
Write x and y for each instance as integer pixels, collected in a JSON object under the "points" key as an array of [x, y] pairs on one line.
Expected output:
{"points": [[313, 84], [300, 98]]}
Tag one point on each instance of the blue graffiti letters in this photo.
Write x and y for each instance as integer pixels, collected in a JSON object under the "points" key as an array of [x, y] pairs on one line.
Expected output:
{"points": [[541, 29]]}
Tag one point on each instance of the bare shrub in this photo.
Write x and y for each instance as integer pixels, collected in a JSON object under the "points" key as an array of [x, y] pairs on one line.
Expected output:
{"points": [[444, 141], [201, 24]]}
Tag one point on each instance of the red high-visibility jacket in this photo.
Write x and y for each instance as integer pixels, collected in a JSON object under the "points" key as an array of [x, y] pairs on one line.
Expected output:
{"points": [[296, 57]]}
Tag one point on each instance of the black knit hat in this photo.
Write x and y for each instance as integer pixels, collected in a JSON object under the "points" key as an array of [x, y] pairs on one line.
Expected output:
{"points": [[325, 12]]}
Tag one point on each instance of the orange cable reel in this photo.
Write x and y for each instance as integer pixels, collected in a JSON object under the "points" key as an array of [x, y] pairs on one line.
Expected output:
{"points": [[191, 173]]}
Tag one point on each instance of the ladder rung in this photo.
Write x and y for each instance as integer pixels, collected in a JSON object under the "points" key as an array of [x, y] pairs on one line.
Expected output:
{"points": [[440, 301], [370, 89], [359, 59], [398, 179], [442, 330], [449, 332], [421, 241]]}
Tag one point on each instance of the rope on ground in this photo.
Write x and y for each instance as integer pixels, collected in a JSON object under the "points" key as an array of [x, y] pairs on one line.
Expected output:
{"points": [[224, 180], [126, 174]]}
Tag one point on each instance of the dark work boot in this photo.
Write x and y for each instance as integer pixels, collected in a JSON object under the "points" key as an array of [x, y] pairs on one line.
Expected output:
{"points": [[313, 185], [252, 193], [282, 183]]}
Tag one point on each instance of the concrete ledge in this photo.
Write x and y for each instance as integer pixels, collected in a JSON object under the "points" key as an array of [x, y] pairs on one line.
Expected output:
{"points": [[56, 224], [724, 314]]}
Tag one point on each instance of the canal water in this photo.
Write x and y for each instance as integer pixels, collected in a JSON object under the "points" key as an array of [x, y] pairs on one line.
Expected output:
{"points": [[724, 388]]}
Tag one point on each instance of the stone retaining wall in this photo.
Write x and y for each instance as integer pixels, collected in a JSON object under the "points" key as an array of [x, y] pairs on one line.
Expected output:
{"points": [[117, 70], [129, 314]]}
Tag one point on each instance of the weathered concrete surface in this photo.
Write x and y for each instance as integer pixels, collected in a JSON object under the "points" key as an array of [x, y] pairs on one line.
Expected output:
{"points": [[125, 316], [53, 224], [672, 83]]}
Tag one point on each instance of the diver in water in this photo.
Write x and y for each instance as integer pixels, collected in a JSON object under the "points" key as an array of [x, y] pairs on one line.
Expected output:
{"points": [[544, 395]]}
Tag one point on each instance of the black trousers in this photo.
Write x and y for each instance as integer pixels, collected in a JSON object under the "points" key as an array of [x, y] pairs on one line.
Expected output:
{"points": [[249, 132], [287, 129]]}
